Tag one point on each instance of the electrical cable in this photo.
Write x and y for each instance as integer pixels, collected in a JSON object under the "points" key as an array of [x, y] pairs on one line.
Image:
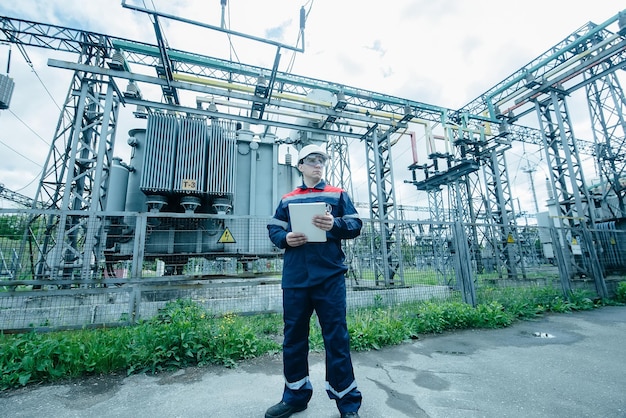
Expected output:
{"points": [[231, 49], [29, 128], [19, 153], [23, 156], [292, 60], [32, 67], [29, 62]]}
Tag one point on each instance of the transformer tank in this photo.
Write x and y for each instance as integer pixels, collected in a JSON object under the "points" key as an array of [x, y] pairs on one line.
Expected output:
{"points": [[215, 183]]}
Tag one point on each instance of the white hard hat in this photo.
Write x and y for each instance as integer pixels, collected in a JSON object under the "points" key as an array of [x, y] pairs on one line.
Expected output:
{"points": [[311, 149]]}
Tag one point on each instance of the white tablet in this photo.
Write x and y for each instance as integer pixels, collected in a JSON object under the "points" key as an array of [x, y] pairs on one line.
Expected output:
{"points": [[301, 215]]}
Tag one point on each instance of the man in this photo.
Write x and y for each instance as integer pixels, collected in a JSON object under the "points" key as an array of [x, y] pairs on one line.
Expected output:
{"points": [[314, 280]]}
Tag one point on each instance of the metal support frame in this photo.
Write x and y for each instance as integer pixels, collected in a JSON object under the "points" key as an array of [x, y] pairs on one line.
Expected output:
{"points": [[439, 235], [75, 179], [499, 200], [607, 109], [383, 210], [338, 171], [465, 191], [75, 172], [462, 261], [569, 190]]}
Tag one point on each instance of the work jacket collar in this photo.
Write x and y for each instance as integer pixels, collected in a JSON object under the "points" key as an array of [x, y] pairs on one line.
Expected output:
{"points": [[320, 186]]}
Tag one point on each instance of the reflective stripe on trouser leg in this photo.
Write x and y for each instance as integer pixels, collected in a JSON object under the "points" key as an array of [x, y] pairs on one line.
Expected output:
{"points": [[329, 300], [297, 385], [343, 393], [348, 400]]}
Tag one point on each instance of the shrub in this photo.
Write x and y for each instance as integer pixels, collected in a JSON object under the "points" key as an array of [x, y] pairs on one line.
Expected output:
{"points": [[181, 335], [620, 292], [373, 329], [184, 334]]}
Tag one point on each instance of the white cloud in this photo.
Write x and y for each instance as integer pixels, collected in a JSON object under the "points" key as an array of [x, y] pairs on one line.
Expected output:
{"points": [[441, 52]]}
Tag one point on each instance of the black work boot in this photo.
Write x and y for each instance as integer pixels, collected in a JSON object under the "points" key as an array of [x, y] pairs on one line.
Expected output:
{"points": [[283, 410]]}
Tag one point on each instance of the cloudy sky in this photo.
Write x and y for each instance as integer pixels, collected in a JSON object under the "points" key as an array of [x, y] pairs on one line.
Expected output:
{"points": [[441, 52]]}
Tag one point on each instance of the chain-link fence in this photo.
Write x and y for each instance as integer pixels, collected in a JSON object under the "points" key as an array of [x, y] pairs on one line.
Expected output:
{"points": [[70, 270]]}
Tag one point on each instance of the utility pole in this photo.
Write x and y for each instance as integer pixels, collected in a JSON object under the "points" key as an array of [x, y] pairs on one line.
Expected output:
{"points": [[530, 170]]}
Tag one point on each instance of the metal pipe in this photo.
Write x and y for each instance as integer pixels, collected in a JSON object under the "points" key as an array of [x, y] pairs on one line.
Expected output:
{"points": [[544, 62], [573, 60]]}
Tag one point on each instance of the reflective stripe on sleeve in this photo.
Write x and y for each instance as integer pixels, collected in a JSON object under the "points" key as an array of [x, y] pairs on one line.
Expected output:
{"points": [[278, 222]]}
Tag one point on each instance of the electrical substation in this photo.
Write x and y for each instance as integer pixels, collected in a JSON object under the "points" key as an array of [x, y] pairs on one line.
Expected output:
{"points": [[106, 241]]}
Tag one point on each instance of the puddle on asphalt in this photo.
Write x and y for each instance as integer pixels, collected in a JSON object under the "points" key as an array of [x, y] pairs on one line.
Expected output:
{"points": [[452, 353], [543, 335]]}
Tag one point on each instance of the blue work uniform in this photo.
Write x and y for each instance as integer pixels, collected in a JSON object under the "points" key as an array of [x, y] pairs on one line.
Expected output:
{"points": [[314, 280]]}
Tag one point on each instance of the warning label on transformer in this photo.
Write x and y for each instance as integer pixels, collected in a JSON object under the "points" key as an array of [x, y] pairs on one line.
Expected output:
{"points": [[227, 237]]}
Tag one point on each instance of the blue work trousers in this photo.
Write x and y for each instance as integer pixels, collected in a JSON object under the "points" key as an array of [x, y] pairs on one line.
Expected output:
{"points": [[328, 300]]}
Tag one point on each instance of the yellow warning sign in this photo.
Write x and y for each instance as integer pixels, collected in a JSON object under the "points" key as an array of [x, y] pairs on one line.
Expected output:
{"points": [[574, 242], [510, 239], [227, 238]]}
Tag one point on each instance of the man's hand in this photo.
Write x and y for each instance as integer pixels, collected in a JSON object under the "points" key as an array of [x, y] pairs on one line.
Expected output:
{"points": [[296, 239], [324, 222]]}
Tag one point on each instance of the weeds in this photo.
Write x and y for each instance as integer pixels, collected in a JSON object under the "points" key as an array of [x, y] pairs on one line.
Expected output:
{"points": [[620, 292], [373, 329], [185, 334]]}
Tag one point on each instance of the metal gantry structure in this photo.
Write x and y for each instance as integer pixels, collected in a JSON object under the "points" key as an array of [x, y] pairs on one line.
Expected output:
{"points": [[15, 197], [75, 178], [588, 58]]}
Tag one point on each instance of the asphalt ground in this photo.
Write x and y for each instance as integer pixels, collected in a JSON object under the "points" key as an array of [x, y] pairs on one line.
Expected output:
{"points": [[559, 365]]}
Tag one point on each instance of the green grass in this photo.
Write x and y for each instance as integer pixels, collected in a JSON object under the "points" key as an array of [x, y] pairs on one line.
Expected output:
{"points": [[185, 334], [620, 292]]}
